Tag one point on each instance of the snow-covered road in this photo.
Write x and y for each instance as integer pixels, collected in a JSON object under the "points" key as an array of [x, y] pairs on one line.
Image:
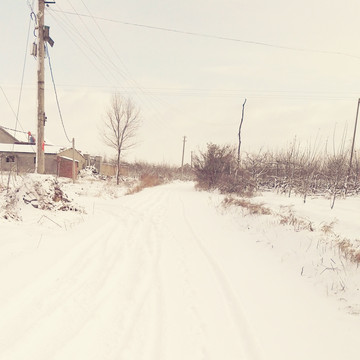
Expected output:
{"points": [[160, 275]]}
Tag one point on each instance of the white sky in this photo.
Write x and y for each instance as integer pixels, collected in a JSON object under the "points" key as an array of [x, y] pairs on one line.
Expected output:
{"points": [[190, 85]]}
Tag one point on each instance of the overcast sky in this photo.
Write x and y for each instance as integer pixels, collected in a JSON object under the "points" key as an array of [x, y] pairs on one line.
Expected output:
{"points": [[296, 63]]}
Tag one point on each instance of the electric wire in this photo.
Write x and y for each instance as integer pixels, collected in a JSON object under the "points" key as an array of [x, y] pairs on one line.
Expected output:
{"points": [[8, 102], [65, 29], [101, 55], [153, 95], [131, 79], [123, 74], [226, 93], [23, 76], [127, 76], [140, 94], [31, 6], [217, 37], [56, 95], [96, 55], [17, 112], [112, 69], [108, 42], [103, 51], [77, 38]]}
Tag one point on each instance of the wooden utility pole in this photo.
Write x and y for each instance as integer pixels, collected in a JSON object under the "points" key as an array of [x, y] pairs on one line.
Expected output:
{"points": [[239, 133], [183, 153], [43, 36], [73, 161], [353, 141], [40, 144]]}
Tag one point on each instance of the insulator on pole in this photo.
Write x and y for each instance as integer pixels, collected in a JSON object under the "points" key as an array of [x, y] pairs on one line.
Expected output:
{"points": [[34, 49]]}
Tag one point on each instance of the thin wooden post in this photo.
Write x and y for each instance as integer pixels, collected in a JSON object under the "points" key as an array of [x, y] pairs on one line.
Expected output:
{"points": [[73, 160], [353, 141]]}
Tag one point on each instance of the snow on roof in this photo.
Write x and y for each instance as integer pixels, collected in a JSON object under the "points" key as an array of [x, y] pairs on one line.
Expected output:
{"points": [[22, 136], [28, 148], [19, 136], [68, 158]]}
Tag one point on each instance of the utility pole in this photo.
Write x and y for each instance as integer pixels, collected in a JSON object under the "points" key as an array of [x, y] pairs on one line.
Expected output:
{"points": [[40, 145], [239, 133], [353, 141], [73, 161], [43, 36], [183, 153]]}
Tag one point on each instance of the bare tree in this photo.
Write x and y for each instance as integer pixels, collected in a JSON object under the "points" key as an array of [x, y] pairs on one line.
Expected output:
{"points": [[120, 126]]}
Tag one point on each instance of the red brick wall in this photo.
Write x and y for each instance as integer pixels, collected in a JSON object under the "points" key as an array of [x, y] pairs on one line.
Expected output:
{"points": [[65, 167]]}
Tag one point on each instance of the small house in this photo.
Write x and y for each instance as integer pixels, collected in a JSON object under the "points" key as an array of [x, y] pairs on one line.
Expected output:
{"points": [[20, 156]]}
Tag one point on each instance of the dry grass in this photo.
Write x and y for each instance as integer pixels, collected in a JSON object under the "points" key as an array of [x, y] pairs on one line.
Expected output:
{"points": [[146, 181], [253, 208], [297, 223], [349, 250], [328, 229]]}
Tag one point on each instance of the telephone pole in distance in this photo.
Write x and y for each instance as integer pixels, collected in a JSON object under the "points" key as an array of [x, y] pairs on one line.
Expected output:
{"points": [[183, 153]]}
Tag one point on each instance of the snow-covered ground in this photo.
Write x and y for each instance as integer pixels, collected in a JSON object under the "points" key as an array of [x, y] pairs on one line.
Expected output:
{"points": [[170, 274]]}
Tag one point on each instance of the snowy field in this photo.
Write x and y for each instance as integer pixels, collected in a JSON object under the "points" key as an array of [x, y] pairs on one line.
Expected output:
{"points": [[170, 274]]}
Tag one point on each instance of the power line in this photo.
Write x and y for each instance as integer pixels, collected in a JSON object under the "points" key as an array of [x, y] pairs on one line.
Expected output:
{"points": [[56, 96], [103, 57], [125, 75], [31, 6], [222, 92], [130, 80], [217, 37], [16, 114], [75, 33], [23, 74], [8, 102]]}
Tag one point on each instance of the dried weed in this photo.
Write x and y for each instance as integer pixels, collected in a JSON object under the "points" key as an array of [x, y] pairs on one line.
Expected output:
{"points": [[253, 208], [146, 180]]}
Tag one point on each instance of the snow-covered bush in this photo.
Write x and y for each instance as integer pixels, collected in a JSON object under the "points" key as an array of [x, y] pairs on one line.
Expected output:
{"points": [[42, 192]]}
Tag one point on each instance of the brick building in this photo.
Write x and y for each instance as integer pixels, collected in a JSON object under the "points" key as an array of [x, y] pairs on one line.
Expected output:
{"points": [[20, 156]]}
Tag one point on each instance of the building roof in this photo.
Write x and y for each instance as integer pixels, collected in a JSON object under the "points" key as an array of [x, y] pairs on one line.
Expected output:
{"points": [[65, 151], [28, 148], [15, 136], [68, 158]]}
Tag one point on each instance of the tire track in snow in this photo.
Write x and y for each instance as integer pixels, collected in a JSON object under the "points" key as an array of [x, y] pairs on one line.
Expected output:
{"points": [[182, 329], [143, 256], [63, 291], [152, 210], [29, 303], [194, 332], [86, 273], [192, 327], [113, 297], [251, 347]]}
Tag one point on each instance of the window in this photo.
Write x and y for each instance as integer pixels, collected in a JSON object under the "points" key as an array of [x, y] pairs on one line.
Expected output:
{"points": [[10, 159]]}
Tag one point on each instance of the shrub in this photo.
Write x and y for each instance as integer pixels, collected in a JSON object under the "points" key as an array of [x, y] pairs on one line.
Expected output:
{"points": [[213, 166]]}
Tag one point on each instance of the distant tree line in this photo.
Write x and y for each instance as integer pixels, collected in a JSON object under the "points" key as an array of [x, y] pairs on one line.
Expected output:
{"points": [[294, 170]]}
